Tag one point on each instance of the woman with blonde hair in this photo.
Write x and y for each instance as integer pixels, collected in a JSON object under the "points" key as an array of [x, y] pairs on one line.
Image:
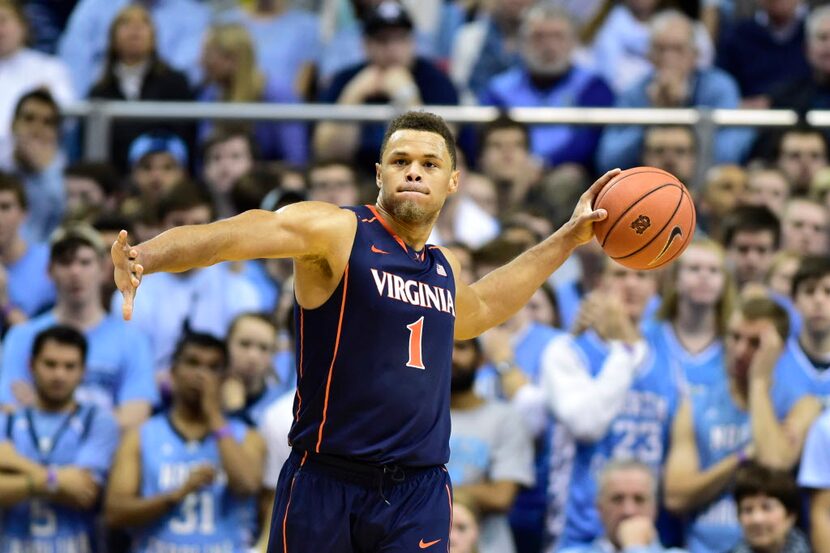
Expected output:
{"points": [[232, 75], [698, 297], [134, 71]]}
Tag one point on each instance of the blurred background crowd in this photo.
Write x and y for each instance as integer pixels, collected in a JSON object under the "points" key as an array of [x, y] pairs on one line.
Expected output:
{"points": [[619, 411]]}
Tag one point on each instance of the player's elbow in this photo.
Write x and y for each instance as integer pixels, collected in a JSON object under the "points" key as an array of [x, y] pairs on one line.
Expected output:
{"points": [[778, 460]]}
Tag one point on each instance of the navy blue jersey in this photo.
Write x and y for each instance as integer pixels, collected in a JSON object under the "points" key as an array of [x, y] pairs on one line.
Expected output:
{"points": [[374, 361]]}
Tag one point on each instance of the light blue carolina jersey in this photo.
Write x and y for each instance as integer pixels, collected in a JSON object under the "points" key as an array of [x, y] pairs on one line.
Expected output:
{"points": [[210, 520], [118, 366], [700, 370], [85, 438], [795, 377], [641, 431]]}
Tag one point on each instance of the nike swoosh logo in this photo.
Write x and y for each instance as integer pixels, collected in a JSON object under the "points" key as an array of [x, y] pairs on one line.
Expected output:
{"points": [[424, 545], [675, 232], [377, 250]]}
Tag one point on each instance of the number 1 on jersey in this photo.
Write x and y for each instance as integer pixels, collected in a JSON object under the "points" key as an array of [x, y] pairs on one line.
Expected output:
{"points": [[416, 333]]}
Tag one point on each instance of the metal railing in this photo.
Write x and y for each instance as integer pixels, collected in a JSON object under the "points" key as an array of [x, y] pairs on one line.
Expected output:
{"points": [[99, 116]]}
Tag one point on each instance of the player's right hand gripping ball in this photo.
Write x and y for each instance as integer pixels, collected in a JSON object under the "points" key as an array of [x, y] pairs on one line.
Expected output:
{"points": [[651, 218]]}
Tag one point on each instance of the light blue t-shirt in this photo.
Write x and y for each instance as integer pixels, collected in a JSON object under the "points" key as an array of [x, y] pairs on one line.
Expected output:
{"points": [[30, 287], [85, 438], [212, 518], [118, 366]]}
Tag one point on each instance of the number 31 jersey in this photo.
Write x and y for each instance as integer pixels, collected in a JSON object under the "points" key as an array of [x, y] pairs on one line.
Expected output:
{"points": [[374, 361], [210, 520]]}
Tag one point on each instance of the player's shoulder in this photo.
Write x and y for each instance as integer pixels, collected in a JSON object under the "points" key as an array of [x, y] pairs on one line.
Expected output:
{"points": [[319, 217]]}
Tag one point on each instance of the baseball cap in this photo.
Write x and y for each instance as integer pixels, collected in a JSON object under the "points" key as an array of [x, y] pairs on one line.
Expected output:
{"points": [[387, 14], [153, 143]]}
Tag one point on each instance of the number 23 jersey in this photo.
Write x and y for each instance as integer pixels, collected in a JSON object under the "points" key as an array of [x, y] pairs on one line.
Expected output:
{"points": [[374, 361]]}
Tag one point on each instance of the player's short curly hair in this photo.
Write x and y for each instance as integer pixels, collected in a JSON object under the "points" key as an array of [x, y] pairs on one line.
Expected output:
{"points": [[421, 121]]}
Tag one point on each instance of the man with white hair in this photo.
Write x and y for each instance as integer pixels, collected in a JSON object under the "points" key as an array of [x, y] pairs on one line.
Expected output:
{"points": [[676, 82], [627, 505], [548, 77]]}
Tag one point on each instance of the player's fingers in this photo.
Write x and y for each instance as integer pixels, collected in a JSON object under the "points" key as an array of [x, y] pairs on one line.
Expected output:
{"points": [[594, 216], [601, 182], [122, 238], [127, 306]]}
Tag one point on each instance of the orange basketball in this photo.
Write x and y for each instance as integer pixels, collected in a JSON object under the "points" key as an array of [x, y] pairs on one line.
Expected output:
{"points": [[651, 218]]}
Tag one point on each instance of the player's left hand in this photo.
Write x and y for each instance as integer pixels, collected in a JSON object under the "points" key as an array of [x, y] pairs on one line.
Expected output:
{"points": [[580, 228]]}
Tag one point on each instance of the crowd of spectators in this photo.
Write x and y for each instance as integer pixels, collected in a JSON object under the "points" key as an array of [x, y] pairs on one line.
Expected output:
{"points": [[620, 410]]}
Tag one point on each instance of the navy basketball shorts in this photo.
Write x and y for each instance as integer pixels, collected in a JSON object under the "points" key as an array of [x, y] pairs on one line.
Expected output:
{"points": [[325, 505]]}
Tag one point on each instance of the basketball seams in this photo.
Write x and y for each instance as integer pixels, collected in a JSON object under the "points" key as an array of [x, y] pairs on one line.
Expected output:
{"points": [[632, 206], [659, 232], [630, 173]]}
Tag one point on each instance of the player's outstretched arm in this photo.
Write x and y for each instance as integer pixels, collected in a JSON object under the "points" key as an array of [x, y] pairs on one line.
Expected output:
{"points": [[496, 297], [309, 230]]}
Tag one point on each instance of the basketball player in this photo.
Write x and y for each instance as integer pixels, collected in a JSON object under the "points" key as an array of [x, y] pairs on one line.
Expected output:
{"points": [[54, 454], [377, 311], [184, 481]]}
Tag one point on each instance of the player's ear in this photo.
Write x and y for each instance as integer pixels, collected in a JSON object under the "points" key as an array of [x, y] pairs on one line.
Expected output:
{"points": [[378, 179], [454, 178]]}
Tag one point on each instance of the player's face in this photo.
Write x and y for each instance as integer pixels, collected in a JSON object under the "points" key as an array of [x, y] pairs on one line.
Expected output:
{"points": [[812, 300], [78, 277], [701, 275], [634, 288], [155, 174], [11, 216], [56, 371], [464, 530], [227, 162], [765, 522], [251, 349], [193, 361], [743, 337], [751, 253], [804, 228], [334, 184], [415, 176], [626, 493], [767, 188]]}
